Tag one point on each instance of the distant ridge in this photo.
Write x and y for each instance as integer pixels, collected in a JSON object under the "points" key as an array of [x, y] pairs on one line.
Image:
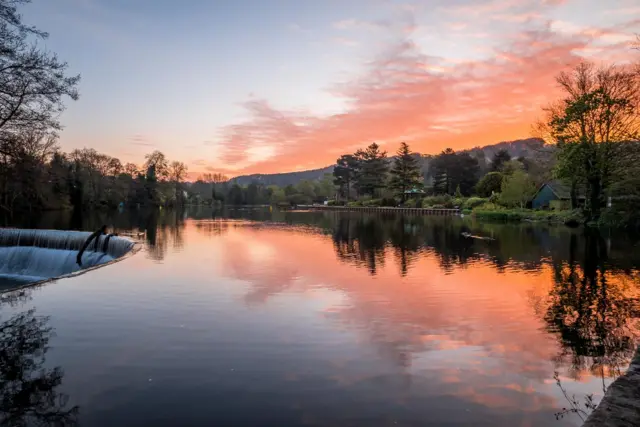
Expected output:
{"points": [[518, 148], [282, 179]]}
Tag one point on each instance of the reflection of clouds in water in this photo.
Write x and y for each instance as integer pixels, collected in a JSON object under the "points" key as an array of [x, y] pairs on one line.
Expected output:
{"points": [[396, 314], [421, 298]]}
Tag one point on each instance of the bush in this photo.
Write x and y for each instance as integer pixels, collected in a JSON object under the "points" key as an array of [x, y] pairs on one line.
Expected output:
{"points": [[623, 213], [336, 203], [489, 184], [411, 203], [473, 202], [458, 202], [432, 201]]}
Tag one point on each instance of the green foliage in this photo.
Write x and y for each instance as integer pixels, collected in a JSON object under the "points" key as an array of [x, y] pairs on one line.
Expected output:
{"points": [[372, 170], [499, 215], [623, 213], [440, 201], [490, 184], [601, 110], [517, 189], [473, 202], [451, 170], [344, 174], [405, 173]]}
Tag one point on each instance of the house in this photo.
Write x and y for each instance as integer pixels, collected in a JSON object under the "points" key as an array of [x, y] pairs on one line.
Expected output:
{"points": [[413, 193], [554, 195]]}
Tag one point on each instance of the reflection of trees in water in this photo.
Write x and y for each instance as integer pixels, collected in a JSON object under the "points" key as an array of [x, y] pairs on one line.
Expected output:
{"points": [[163, 228], [364, 239], [360, 240], [594, 310], [212, 227], [28, 394]]}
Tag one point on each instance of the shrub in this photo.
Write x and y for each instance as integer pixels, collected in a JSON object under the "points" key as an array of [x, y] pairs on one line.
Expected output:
{"points": [[499, 215], [623, 213], [431, 201], [458, 202], [473, 202], [489, 184], [411, 203]]}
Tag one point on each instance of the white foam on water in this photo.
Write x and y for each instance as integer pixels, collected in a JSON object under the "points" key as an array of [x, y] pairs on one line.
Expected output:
{"points": [[28, 256]]}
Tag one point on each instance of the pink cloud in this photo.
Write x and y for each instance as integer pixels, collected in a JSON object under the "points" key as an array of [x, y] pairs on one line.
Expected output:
{"points": [[431, 102]]}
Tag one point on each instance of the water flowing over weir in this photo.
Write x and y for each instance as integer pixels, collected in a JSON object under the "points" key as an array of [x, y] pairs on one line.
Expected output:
{"points": [[28, 256]]}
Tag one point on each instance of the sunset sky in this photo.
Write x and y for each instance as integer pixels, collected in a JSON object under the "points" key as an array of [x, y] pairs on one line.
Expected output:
{"points": [[248, 86]]}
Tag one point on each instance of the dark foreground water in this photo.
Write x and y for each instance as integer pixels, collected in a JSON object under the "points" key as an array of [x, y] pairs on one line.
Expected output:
{"points": [[252, 318]]}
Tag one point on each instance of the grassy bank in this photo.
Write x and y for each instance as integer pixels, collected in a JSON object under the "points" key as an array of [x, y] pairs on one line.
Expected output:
{"points": [[519, 215]]}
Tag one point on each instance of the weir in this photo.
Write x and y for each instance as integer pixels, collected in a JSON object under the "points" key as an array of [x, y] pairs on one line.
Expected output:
{"points": [[28, 256]]}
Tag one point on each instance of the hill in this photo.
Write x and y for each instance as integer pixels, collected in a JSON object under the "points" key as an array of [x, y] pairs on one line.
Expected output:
{"points": [[528, 148], [282, 179]]}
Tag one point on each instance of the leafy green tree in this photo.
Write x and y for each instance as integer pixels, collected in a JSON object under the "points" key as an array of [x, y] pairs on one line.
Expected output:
{"points": [[373, 168], [489, 184], [306, 189], [517, 189], [600, 109], [405, 172], [277, 195], [324, 188]]}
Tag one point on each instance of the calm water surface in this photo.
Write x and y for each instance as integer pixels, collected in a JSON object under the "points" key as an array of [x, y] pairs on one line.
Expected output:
{"points": [[258, 318]]}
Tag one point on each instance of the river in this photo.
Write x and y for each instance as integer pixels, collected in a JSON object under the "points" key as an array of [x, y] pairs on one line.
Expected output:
{"points": [[252, 317]]}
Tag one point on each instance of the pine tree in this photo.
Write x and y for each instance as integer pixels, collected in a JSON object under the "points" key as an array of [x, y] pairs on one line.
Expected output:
{"points": [[405, 172], [372, 172]]}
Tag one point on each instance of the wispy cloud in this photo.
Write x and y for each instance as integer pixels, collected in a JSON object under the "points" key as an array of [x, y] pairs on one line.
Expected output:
{"points": [[141, 140], [346, 42], [353, 24], [431, 101]]}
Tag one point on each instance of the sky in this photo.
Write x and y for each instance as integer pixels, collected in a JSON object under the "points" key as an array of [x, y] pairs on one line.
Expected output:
{"points": [[256, 86]]}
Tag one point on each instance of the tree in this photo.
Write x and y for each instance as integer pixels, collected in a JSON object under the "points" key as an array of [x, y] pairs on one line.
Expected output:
{"points": [[33, 86], [177, 171], [489, 184], [344, 173], [500, 158], [517, 189], [451, 169], [131, 169], [373, 168], [277, 195], [324, 188], [307, 190], [158, 162], [600, 110], [33, 81], [405, 172]]}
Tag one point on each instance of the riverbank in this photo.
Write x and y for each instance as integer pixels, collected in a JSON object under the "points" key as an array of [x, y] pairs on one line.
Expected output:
{"points": [[620, 406]]}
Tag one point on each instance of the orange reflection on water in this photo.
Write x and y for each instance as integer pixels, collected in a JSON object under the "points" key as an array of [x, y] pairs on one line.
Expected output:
{"points": [[482, 333]]}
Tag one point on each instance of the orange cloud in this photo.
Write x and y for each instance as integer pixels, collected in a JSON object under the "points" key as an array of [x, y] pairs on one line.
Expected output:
{"points": [[429, 101]]}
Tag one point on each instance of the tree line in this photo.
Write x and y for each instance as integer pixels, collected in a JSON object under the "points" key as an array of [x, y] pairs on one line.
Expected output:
{"points": [[594, 129]]}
